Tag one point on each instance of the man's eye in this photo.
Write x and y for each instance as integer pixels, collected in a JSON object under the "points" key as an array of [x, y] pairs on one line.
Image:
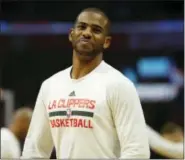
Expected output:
{"points": [[96, 30], [81, 27]]}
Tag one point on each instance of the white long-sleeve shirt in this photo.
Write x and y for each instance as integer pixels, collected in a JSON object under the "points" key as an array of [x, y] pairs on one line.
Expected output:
{"points": [[96, 116], [10, 146], [163, 146]]}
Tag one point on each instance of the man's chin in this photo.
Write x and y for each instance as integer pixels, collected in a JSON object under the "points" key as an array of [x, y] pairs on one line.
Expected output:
{"points": [[86, 56], [85, 52]]}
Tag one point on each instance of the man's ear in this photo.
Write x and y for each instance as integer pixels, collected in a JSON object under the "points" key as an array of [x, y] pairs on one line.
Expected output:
{"points": [[107, 42], [71, 34]]}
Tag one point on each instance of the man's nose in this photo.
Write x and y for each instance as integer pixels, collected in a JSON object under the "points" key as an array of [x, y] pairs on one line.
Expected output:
{"points": [[87, 33]]}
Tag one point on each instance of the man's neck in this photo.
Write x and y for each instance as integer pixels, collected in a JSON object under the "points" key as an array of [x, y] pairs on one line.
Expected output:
{"points": [[82, 67]]}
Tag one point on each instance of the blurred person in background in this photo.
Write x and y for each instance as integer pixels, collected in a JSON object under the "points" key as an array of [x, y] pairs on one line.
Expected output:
{"points": [[89, 110], [169, 143], [15, 133], [172, 132]]}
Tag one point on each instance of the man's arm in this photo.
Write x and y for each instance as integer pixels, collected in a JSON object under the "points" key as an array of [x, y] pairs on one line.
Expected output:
{"points": [[163, 146], [129, 121], [38, 143]]}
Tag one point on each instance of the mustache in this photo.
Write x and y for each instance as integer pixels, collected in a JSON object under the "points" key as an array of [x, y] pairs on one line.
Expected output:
{"points": [[85, 40]]}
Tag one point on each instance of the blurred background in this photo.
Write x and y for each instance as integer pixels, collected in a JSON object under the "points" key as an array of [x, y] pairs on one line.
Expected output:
{"points": [[147, 47]]}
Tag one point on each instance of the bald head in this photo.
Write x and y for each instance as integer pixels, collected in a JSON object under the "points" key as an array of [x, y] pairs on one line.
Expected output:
{"points": [[23, 113], [21, 121]]}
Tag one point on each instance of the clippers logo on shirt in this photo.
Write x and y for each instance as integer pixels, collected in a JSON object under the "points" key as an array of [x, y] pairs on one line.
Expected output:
{"points": [[68, 113], [70, 110]]}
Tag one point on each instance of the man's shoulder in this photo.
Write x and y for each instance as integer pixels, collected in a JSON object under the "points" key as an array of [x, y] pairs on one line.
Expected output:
{"points": [[118, 83], [115, 77], [59, 76]]}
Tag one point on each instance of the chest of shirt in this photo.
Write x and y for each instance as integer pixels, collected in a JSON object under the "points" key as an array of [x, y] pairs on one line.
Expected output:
{"points": [[86, 100]]}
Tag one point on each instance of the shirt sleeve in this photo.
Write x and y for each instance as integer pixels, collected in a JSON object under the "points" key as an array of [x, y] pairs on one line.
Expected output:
{"points": [[163, 146], [129, 121], [38, 143]]}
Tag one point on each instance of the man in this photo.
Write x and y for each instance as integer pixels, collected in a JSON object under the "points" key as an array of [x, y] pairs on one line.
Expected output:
{"points": [[89, 110], [17, 130]]}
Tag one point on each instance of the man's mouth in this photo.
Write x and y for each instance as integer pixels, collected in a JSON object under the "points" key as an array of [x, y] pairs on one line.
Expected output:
{"points": [[84, 40]]}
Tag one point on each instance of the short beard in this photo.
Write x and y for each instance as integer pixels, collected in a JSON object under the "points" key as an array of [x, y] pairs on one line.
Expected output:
{"points": [[89, 55]]}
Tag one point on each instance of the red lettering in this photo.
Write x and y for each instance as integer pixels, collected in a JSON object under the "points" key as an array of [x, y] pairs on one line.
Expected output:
{"points": [[75, 122], [92, 104], [80, 124], [52, 122], [70, 102], [85, 124], [57, 123], [71, 122], [90, 124], [81, 103], [64, 103], [49, 106], [76, 102], [67, 122], [86, 102], [60, 103], [54, 104], [62, 124]]}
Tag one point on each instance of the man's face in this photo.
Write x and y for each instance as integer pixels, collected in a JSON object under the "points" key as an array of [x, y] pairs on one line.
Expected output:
{"points": [[89, 37]]}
